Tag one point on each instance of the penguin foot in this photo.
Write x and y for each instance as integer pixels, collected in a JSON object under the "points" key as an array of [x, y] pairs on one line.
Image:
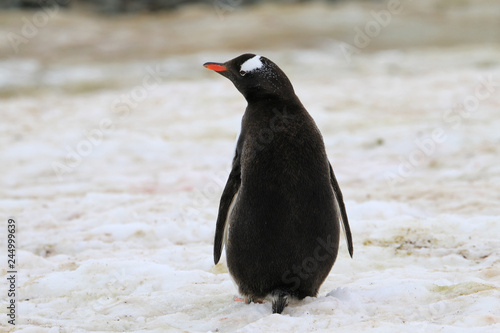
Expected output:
{"points": [[239, 299], [247, 300]]}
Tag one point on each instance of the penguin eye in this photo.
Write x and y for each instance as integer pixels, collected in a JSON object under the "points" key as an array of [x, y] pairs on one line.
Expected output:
{"points": [[242, 73]]}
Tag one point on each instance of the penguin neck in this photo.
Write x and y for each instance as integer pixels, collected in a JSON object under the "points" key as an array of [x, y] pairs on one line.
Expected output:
{"points": [[268, 105], [266, 99]]}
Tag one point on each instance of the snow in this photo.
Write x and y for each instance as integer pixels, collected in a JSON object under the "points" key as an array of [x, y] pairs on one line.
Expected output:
{"points": [[252, 64], [122, 239]]}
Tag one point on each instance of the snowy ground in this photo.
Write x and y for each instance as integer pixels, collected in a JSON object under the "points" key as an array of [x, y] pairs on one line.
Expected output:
{"points": [[115, 190]]}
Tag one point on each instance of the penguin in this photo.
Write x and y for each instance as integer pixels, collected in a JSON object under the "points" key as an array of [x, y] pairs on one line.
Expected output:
{"points": [[281, 209]]}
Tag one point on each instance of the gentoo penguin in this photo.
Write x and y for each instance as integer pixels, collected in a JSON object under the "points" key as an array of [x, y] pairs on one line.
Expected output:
{"points": [[281, 208]]}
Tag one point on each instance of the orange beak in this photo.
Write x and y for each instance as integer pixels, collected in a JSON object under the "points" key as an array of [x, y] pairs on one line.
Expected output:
{"points": [[215, 66]]}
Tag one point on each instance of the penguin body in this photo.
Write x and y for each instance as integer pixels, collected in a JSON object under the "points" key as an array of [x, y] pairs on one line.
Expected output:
{"points": [[280, 210]]}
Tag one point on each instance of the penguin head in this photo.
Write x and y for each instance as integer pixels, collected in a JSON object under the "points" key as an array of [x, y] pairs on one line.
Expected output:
{"points": [[255, 77]]}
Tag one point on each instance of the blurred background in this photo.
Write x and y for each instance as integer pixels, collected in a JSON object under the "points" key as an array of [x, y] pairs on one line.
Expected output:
{"points": [[43, 44]]}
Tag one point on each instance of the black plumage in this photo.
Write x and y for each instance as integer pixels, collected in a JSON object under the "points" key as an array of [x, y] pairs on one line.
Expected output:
{"points": [[280, 211]]}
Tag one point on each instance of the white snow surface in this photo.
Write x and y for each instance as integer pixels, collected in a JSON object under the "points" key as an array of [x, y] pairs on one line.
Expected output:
{"points": [[122, 241], [252, 64]]}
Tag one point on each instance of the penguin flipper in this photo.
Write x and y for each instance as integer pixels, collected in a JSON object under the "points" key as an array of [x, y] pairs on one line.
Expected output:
{"points": [[343, 214], [226, 202]]}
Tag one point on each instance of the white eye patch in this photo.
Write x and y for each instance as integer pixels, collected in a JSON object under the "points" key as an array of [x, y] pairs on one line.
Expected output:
{"points": [[251, 64]]}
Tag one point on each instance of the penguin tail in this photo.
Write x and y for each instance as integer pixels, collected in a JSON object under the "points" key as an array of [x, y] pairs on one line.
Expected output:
{"points": [[280, 300]]}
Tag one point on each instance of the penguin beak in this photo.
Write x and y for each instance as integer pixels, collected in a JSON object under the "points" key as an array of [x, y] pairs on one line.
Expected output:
{"points": [[215, 66]]}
